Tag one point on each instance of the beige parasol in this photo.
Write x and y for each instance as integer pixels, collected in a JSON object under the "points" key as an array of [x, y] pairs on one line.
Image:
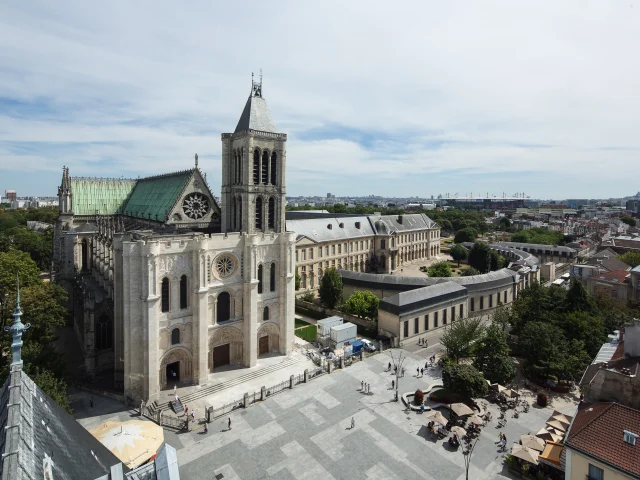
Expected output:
{"points": [[561, 418], [557, 425], [133, 442], [524, 453], [459, 431], [533, 442], [475, 419], [437, 417], [461, 409], [549, 434]]}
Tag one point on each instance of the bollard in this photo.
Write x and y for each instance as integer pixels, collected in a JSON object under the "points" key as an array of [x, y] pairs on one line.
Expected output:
{"points": [[246, 400], [306, 375], [209, 411], [362, 354], [263, 393], [330, 367], [342, 362], [291, 381]]}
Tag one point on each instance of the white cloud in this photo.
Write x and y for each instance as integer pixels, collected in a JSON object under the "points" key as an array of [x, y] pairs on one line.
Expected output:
{"points": [[139, 87]]}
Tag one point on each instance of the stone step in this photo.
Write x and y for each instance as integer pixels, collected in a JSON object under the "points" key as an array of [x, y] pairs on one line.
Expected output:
{"points": [[190, 397]]}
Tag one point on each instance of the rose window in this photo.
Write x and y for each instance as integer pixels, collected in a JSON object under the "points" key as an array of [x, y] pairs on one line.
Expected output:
{"points": [[225, 265], [195, 205]]}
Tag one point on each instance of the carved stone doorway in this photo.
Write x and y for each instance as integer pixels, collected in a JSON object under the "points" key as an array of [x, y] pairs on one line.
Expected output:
{"points": [[221, 355], [263, 345], [173, 372]]}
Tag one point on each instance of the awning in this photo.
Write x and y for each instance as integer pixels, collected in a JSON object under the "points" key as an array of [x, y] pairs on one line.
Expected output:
{"points": [[557, 425], [524, 453], [552, 453]]}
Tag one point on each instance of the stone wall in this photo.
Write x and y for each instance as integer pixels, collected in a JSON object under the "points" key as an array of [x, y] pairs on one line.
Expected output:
{"points": [[613, 386]]}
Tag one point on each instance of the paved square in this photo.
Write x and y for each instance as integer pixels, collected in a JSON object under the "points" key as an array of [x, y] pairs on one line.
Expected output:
{"points": [[306, 433]]}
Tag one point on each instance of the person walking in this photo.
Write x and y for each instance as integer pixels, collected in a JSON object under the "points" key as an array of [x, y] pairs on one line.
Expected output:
{"points": [[206, 429], [229, 423], [175, 389], [418, 372], [186, 409], [389, 367], [393, 384], [193, 415], [353, 423], [402, 372], [362, 386], [422, 372]]}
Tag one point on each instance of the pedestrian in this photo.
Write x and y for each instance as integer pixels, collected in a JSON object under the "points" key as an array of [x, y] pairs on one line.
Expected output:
{"points": [[353, 423], [402, 372], [425, 342], [389, 367], [177, 399], [426, 364], [422, 372], [186, 409], [417, 371], [175, 389], [368, 388], [193, 415], [229, 423], [206, 429], [393, 384], [362, 385]]}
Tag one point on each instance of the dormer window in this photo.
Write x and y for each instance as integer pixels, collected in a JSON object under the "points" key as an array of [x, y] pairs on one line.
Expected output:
{"points": [[630, 437]]}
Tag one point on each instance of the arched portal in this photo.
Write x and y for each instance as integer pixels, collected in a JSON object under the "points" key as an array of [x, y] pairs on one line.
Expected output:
{"points": [[176, 367], [268, 338], [225, 347]]}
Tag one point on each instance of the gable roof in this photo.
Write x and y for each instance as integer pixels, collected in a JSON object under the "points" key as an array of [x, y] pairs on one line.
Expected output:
{"points": [[420, 298], [33, 427], [342, 228], [103, 196], [616, 276], [255, 116], [597, 431], [154, 197]]}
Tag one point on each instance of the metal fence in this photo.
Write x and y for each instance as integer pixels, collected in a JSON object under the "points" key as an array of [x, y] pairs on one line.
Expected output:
{"points": [[229, 407], [172, 422], [254, 397], [278, 388], [299, 379]]}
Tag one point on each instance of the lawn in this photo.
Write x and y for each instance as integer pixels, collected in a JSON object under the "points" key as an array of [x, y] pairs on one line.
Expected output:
{"points": [[307, 333], [300, 323]]}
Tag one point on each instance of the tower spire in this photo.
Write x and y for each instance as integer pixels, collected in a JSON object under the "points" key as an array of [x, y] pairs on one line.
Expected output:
{"points": [[17, 329]]}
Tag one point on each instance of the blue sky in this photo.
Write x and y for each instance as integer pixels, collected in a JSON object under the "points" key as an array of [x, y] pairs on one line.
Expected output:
{"points": [[417, 98]]}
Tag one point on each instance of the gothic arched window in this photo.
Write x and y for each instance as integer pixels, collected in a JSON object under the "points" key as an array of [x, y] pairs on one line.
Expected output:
{"points": [[265, 314], [259, 213], [265, 168], [272, 279], [183, 292], [256, 167], [164, 291], [274, 161], [85, 256], [223, 309], [272, 212], [260, 278], [104, 333], [175, 336]]}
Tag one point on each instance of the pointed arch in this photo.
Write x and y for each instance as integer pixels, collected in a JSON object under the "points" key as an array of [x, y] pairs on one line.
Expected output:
{"points": [[272, 277], [265, 314], [274, 168], [85, 255], [164, 291], [104, 333], [184, 297], [259, 213], [265, 167], [256, 166], [260, 271], [272, 213]]}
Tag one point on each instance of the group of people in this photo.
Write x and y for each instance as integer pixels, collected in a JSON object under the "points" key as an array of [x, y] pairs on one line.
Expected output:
{"points": [[423, 341], [365, 387], [431, 426], [395, 369], [502, 440]]}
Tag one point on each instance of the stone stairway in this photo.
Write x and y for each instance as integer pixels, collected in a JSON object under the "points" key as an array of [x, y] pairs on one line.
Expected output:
{"points": [[205, 392]]}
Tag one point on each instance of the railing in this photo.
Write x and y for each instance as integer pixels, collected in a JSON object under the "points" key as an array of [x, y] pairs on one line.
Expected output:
{"points": [[278, 388], [225, 409], [172, 422]]}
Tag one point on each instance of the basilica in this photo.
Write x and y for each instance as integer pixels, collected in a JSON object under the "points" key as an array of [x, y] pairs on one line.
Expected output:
{"points": [[166, 285]]}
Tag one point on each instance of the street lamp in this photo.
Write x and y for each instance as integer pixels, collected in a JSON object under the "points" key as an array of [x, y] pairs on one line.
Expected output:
{"points": [[399, 364], [466, 453]]}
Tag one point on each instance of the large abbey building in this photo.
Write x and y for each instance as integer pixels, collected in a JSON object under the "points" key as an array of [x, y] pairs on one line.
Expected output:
{"points": [[166, 285]]}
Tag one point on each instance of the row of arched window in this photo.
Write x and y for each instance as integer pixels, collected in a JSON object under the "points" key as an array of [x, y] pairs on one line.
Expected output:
{"points": [[165, 292], [271, 213], [272, 278], [262, 174]]}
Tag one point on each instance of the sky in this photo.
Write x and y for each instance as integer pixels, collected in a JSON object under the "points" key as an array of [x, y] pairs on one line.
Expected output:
{"points": [[377, 98]]}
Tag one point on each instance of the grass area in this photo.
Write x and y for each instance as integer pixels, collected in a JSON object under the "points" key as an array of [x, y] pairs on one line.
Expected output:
{"points": [[310, 313], [300, 323], [307, 333]]}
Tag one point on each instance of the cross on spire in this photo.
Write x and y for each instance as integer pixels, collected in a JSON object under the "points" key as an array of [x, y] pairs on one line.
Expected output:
{"points": [[16, 329]]}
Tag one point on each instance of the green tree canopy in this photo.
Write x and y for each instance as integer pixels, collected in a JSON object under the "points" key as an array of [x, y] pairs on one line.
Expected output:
{"points": [[16, 262], [492, 356], [578, 299], [459, 335], [628, 220], [458, 253], [439, 269], [538, 235], [501, 317], [469, 272], [630, 258], [482, 258], [446, 225], [330, 290], [364, 304], [464, 380], [467, 234]]}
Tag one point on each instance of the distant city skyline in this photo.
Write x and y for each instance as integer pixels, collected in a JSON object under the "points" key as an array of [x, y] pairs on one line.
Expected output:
{"points": [[504, 96]]}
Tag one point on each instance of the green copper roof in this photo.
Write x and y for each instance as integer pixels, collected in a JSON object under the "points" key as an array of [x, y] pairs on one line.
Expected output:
{"points": [[102, 196], [154, 197]]}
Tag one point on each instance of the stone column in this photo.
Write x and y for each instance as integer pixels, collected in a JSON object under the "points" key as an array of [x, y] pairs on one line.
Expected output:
{"points": [[250, 305], [200, 324]]}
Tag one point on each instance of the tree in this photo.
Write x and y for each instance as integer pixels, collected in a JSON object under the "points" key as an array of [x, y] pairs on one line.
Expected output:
{"points": [[630, 258], [613, 313], [543, 347], [482, 258], [54, 387], [628, 220], [330, 290], [439, 269], [464, 380], [540, 236], [458, 253], [505, 223], [492, 356], [467, 234], [586, 328], [501, 317], [578, 299], [469, 271], [364, 304], [16, 262], [460, 335], [446, 226]]}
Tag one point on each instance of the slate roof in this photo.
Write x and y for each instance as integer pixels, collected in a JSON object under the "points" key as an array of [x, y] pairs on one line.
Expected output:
{"points": [[617, 276], [154, 197], [104, 196], [597, 431], [33, 427], [555, 248], [255, 116], [317, 229], [388, 224], [413, 300]]}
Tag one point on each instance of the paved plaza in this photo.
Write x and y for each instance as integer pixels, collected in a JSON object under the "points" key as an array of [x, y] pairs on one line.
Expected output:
{"points": [[306, 432]]}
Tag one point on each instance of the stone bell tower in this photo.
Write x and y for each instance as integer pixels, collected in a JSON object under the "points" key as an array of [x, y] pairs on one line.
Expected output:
{"points": [[253, 170]]}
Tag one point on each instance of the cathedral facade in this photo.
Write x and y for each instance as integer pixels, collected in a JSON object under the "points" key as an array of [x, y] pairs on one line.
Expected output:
{"points": [[166, 285]]}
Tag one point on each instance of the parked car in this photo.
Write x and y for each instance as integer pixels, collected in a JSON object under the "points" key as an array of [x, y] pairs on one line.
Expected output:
{"points": [[368, 345]]}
